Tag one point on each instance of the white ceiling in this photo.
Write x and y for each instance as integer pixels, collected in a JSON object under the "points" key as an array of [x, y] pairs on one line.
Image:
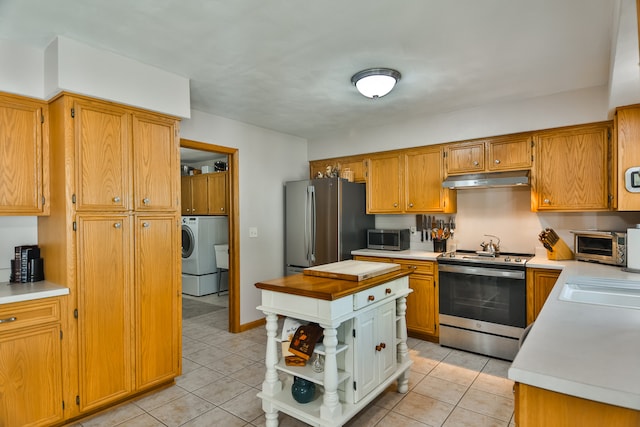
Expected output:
{"points": [[286, 65]]}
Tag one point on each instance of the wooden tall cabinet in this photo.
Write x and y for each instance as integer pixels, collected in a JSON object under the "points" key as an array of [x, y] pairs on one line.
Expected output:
{"points": [[572, 169], [112, 238], [24, 163]]}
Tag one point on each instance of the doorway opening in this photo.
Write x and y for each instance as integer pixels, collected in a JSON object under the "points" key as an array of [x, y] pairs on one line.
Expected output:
{"points": [[212, 152]]}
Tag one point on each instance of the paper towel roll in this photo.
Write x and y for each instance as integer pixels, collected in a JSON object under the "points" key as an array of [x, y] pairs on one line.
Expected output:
{"points": [[633, 248]]}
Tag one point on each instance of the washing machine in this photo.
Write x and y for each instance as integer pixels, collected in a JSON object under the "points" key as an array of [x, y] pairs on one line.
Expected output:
{"points": [[200, 234]]}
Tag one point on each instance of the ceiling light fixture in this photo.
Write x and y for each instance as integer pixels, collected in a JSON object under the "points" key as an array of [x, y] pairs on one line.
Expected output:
{"points": [[375, 82]]}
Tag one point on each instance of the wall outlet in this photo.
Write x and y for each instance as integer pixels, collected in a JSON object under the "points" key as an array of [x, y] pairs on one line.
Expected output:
{"points": [[253, 232], [413, 230]]}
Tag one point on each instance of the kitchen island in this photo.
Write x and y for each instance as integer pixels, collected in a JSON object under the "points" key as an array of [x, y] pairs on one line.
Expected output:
{"points": [[364, 345], [580, 363]]}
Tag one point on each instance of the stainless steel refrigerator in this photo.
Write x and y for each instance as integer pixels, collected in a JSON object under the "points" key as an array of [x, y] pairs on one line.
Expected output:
{"points": [[325, 219]]}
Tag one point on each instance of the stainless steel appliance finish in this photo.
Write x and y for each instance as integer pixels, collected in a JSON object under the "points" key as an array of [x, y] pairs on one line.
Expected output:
{"points": [[325, 219], [487, 180], [482, 301], [390, 240], [605, 247]]}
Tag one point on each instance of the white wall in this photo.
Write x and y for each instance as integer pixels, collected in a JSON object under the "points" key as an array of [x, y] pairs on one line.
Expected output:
{"points": [[267, 160], [76, 67], [22, 70], [624, 81]]}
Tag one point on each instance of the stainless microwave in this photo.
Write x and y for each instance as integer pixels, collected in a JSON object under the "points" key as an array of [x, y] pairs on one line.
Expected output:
{"points": [[605, 247], [390, 240]]}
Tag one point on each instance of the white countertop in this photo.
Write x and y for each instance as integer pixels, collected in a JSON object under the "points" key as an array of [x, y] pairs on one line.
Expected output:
{"points": [[406, 254], [17, 292], [585, 350]]}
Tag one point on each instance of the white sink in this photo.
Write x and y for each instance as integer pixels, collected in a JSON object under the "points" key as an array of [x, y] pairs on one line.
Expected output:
{"points": [[611, 292]]}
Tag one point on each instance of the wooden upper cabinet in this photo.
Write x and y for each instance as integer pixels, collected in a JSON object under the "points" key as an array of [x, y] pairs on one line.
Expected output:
{"points": [[465, 157], [185, 194], [24, 162], [155, 162], [572, 169], [510, 153], [217, 193], [628, 154], [385, 184], [103, 152], [423, 176], [199, 195]]}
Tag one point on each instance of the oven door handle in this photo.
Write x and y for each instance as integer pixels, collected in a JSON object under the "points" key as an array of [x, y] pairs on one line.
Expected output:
{"points": [[481, 271]]}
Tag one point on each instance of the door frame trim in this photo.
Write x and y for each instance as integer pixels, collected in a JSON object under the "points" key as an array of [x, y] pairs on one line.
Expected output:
{"points": [[234, 231]]}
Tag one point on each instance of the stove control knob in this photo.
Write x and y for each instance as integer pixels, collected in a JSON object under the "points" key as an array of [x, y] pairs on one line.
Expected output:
{"points": [[518, 260], [507, 259]]}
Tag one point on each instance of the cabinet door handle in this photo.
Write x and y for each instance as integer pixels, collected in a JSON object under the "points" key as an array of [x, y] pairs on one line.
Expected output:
{"points": [[222, 209], [387, 291], [371, 298], [146, 200], [380, 346], [395, 205], [9, 319], [546, 201], [146, 224], [410, 205], [117, 225], [116, 199], [475, 163], [497, 161]]}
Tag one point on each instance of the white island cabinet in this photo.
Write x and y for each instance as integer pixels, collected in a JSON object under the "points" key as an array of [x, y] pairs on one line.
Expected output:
{"points": [[364, 345]]}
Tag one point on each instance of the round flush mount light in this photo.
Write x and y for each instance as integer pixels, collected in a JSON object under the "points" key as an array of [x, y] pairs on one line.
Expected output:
{"points": [[375, 82]]}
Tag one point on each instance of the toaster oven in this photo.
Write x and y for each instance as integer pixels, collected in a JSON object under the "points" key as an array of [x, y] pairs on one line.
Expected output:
{"points": [[605, 247]]}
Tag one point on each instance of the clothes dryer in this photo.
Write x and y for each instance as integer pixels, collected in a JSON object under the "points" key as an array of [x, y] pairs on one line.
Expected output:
{"points": [[199, 268]]}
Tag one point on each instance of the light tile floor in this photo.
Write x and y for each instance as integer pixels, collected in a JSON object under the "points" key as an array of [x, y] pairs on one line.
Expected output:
{"points": [[222, 372]]}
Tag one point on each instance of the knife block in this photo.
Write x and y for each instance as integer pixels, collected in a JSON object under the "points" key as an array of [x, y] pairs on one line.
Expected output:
{"points": [[560, 251]]}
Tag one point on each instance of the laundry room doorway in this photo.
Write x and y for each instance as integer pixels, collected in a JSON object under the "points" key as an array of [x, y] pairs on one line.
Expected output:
{"points": [[216, 167]]}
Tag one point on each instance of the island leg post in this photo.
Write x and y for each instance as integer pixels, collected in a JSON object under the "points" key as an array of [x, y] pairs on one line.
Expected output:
{"points": [[271, 384], [403, 350], [331, 407]]}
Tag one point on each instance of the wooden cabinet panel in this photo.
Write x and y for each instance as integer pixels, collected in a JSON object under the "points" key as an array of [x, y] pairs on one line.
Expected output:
{"points": [[538, 407], [628, 154], [424, 173], [102, 156], [217, 193], [24, 159], [465, 157], [384, 184], [105, 306], [572, 169], [31, 376], [509, 153], [540, 282], [157, 323], [185, 195], [199, 195], [155, 163]]}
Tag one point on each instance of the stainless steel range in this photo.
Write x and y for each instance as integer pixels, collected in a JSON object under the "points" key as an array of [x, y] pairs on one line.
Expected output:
{"points": [[482, 301]]}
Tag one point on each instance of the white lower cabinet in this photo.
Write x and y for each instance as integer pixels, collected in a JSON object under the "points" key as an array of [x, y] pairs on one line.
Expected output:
{"points": [[364, 349], [373, 348]]}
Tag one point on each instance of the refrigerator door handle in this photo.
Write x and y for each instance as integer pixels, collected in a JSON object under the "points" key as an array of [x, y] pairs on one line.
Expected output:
{"points": [[311, 228]]}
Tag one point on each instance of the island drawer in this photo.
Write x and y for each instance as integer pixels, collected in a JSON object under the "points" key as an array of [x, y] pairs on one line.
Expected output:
{"points": [[29, 313], [373, 295]]}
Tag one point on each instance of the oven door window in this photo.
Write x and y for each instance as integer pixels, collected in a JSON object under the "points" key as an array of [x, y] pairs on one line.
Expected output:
{"points": [[491, 299]]}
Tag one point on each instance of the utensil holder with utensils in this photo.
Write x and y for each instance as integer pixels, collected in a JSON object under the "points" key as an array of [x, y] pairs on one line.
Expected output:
{"points": [[556, 248]]}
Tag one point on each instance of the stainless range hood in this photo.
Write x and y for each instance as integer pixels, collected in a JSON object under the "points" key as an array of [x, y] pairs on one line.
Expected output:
{"points": [[487, 180]]}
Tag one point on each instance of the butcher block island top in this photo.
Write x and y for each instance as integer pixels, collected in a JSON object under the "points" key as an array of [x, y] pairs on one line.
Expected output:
{"points": [[328, 288]]}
